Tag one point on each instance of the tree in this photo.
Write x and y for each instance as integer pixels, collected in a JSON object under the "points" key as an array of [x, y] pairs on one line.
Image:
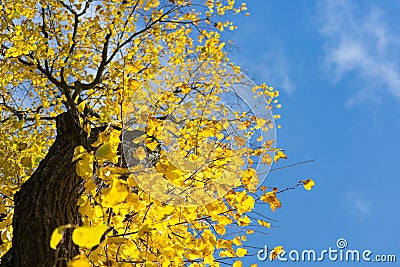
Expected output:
{"points": [[105, 117]]}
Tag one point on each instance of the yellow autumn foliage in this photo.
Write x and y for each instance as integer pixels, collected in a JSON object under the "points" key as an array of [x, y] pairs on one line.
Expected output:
{"points": [[171, 195]]}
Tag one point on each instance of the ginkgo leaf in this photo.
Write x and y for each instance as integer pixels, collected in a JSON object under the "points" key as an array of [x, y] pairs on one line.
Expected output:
{"points": [[275, 252], [22, 146], [264, 223], [260, 123], [90, 185], [57, 235], [103, 151], [79, 261], [279, 155], [26, 162], [241, 252], [227, 253], [151, 144], [246, 205], [271, 198], [244, 221], [146, 228], [267, 159], [88, 236], [308, 184], [140, 153], [237, 264], [84, 166], [79, 151], [240, 140], [116, 195], [220, 229], [237, 241], [268, 144], [81, 106]]}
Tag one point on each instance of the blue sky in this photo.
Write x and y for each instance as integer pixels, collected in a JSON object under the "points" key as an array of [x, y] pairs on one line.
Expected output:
{"points": [[337, 64]]}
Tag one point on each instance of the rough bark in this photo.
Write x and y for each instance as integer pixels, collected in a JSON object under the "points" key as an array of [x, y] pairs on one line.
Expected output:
{"points": [[47, 200]]}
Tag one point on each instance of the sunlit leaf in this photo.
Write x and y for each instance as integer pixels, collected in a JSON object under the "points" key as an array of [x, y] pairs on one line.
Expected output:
{"points": [[57, 235], [88, 236], [308, 184], [80, 261], [275, 252]]}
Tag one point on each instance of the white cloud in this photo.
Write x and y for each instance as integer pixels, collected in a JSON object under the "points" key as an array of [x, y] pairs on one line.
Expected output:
{"points": [[357, 202], [274, 69], [361, 43]]}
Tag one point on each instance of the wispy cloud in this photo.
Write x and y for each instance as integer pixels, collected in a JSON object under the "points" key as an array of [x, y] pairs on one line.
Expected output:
{"points": [[358, 202], [361, 44], [274, 69]]}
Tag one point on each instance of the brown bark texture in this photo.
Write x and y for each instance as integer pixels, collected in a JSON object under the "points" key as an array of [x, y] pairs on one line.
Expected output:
{"points": [[48, 199]]}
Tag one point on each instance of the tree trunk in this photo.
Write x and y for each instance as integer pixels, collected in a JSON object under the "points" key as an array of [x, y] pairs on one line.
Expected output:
{"points": [[48, 200]]}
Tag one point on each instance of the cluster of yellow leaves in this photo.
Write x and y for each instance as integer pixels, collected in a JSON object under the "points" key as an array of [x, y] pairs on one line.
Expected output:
{"points": [[122, 222], [140, 224], [85, 236]]}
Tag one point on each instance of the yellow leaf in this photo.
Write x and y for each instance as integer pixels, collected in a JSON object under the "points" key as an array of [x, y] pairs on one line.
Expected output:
{"points": [[116, 195], [81, 106], [240, 140], [237, 241], [264, 223], [79, 261], [26, 162], [275, 252], [140, 153], [185, 88], [244, 221], [22, 146], [151, 145], [279, 155], [241, 252], [246, 205], [145, 229], [227, 253], [271, 198], [260, 123], [57, 235], [267, 159], [268, 144], [263, 188], [88, 236], [84, 167], [237, 264], [79, 151], [90, 185], [220, 229], [308, 184], [103, 151]]}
